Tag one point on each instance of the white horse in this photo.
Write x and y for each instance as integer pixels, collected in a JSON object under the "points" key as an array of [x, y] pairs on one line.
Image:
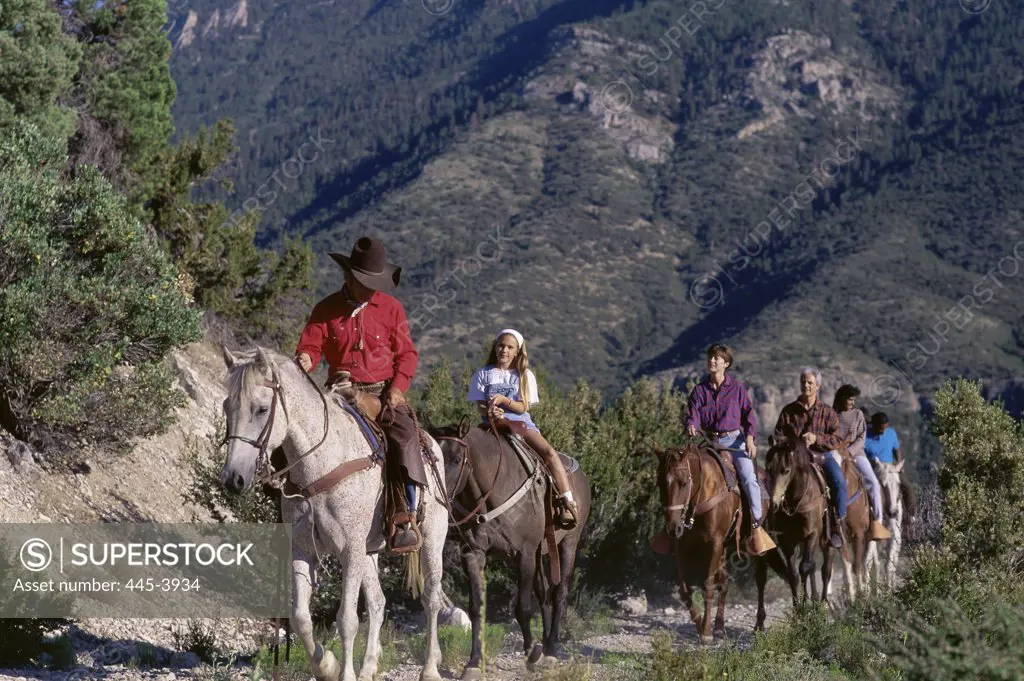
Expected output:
{"points": [[272, 403], [892, 507]]}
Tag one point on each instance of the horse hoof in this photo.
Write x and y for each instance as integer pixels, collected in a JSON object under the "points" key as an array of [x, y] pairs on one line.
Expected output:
{"points": [[718, 633], [535, 656], [706, 640], [431, 677], [471, 674]]}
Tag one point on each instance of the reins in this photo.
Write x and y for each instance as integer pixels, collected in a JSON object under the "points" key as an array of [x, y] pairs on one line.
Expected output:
{"points": [[467, 465]]}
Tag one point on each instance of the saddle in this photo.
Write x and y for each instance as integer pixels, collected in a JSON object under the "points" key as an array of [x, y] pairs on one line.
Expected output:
{"points": [[732, 479], [366, 408]]}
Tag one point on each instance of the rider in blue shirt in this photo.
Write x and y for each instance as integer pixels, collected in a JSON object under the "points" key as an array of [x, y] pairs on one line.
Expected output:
{"points": [[881, 443]]}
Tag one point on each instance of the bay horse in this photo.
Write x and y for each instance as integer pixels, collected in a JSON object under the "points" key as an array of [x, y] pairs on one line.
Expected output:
{"points": [[500, 509], [856, 524], [795, 520], [691, 483], [884, 573], [339, 508]]}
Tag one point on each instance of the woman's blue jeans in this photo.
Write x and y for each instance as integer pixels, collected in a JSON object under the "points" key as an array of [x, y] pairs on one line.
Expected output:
{"points": [[836, 482]]}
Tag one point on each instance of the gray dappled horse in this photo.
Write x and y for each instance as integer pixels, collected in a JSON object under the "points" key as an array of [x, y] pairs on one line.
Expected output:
{"points": [[272, 403], [487, 481], [892, 508]]}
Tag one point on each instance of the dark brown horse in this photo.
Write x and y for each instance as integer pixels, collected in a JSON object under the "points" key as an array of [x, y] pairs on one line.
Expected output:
{"points": [[700, 513], [484, 476], [855, 529], [795, 520]]}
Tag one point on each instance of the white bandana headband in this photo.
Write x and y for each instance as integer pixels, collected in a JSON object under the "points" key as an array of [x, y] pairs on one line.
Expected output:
{"points": [[515, 334]]}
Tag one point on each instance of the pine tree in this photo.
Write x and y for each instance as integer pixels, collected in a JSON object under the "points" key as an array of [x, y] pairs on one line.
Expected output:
{"points": [[37, 64]]}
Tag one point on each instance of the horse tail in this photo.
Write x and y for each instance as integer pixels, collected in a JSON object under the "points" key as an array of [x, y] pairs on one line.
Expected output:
{"points": [[414, 579]]}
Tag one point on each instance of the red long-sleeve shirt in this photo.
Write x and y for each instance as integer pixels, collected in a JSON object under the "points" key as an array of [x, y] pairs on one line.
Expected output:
{"points": [[386, 352]]}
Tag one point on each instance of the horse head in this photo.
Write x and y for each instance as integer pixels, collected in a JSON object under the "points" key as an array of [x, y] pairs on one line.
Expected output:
{"points": [[675, 483], [889, 480], [255, 425], [455, 450], [781, 463]]}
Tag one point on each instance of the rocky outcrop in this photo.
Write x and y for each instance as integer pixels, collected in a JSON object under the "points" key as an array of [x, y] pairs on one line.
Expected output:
{"points": [[800, 74], [629, 114]]}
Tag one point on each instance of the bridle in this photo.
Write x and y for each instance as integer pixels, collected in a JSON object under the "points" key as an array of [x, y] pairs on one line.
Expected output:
{"points": [[799, 507], [689, 486], [276, 478], [466, 467]]}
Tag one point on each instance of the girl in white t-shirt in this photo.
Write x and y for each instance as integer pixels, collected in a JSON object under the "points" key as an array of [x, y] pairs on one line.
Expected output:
{"points": [[503, 391]]}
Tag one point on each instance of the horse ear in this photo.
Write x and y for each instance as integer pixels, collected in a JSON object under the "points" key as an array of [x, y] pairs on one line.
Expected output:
{"points": [[229, 359], [899, 466], [658, 451], [263, 361], [771, 441], [465, 423]]}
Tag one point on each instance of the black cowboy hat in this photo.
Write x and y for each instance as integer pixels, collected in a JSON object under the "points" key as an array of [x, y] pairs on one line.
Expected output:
{"points": [[369, 265]]}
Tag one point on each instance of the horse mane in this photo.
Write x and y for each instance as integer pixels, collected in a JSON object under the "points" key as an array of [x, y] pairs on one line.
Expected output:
{"points": [[247, 375]]}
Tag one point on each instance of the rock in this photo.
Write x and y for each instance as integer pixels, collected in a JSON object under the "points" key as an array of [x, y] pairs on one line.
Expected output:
{"points": [[670, 611], [456, 617], [185, 659], [634, 605]]}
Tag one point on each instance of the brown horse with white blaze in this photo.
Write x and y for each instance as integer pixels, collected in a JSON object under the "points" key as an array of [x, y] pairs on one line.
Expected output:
{"points": [[700, 512]]}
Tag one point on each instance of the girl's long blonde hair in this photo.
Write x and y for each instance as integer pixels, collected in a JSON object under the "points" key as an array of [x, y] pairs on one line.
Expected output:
{"points": [[521, 363]]}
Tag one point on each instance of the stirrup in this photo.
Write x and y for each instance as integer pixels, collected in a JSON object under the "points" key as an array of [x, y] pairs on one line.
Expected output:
{"points": [[404, 521], [567, 517], [760, 542]]}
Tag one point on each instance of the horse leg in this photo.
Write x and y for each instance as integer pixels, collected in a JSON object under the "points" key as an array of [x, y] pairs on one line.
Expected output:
{"points": [[761, 575], [545, 594], [895, 544], [851, 585], [871, 567], [687, 595], [777, 562], [524, 605], [431, 557], [807, 567], [347, 617], [710, 580], [474, 563], [826, 570], [723, 592], [567, 557], [793, 575], [860, 573], [373, 595], [325, 665]]}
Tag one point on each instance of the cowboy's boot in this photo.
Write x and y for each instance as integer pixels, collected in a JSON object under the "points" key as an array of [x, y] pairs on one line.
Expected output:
{"points": [[836, 537], [567, 516], [877, 531], [407, 536]]}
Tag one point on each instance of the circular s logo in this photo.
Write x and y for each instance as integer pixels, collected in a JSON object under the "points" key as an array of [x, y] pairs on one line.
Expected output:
{"points": [[36, 555]]}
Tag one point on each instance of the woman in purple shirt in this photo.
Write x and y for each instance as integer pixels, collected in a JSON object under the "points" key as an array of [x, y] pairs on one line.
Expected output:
{"points": [[719, 406]]}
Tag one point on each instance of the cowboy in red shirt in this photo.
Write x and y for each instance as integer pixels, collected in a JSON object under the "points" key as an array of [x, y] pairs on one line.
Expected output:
{"points": [[363, 331]]}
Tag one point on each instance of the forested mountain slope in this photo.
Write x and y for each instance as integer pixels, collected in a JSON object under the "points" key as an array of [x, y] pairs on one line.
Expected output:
{"points": [[810, 182]]}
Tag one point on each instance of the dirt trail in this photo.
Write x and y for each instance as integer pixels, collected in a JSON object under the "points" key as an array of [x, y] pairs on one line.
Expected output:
{"points": [[631, 635]]}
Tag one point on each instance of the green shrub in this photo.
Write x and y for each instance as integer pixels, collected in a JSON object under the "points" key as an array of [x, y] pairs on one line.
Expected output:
{"points": [[982, 483], [89, 304], [957, 646]]}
